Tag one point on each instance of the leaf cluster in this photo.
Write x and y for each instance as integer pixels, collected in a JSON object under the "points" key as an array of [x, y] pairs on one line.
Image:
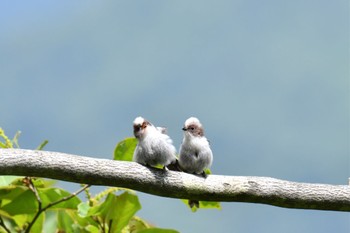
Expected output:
{"points": [[29, 204]]}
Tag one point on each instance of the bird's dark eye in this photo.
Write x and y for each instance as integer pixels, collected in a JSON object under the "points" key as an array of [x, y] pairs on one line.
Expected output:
{"points": [[192, 128]]}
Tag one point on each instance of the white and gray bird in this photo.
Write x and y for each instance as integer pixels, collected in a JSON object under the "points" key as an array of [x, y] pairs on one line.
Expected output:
{"points": [[195, 153], [154, 146]]}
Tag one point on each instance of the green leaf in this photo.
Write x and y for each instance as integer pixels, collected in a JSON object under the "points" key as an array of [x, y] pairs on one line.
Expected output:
{"points": [[93, 229], [83, 209], [43, 183], [49, 195], [9, 193], [50, 224], [64, 222], [104, 208], [38, 182], [80, 223], [4, 214], [6, 180], [24, 203], [210, 205], [38, 224], [136, 224], [125, 149], [117, 209], [22, 219], [157, 230], [19, 181], [207, 171], [126, 205]]}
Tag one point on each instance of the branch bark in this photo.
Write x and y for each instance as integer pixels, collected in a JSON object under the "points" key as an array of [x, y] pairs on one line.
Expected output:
{"points": [[172, 184]]}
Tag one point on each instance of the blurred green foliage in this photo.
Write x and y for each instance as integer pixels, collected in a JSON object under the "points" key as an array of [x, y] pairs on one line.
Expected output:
{"points": [[29, 204]]}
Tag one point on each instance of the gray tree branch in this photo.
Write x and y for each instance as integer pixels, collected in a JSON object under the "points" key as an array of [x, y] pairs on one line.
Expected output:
{"points": [[172, 184]]}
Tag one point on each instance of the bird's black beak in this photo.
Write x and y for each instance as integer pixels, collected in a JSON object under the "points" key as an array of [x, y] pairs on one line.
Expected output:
{"points": [[184, 129]]}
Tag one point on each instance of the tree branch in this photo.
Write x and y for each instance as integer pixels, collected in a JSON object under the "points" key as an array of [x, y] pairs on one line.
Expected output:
{"points": [[172, 184]]}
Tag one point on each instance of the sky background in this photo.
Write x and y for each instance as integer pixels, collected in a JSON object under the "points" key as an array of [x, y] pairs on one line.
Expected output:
{"points": [[269, 80]]}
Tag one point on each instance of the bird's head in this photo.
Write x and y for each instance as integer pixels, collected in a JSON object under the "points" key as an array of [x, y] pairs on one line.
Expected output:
{"points": [[140, 127], [193, 127]]}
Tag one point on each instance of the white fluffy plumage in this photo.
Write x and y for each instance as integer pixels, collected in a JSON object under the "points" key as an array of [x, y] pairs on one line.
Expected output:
{"points": [[154, 147], [195, 153], [192, 121]]}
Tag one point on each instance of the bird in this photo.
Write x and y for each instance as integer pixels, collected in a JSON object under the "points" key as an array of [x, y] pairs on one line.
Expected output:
{"points": [[154, 146], [195, 153]]}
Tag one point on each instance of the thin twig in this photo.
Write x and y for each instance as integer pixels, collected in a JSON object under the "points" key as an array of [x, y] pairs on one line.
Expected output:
{"points": [[32, 187], [101, 223], [52, 204], [67, 197], [2, 223], [29, 182], [110, 226]]}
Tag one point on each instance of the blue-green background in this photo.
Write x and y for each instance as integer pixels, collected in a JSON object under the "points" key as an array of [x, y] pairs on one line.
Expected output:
{"points": [[268, 79]]}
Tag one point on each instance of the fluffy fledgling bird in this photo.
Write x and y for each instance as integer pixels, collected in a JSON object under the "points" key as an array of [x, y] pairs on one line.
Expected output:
{"points": [[154, 146], [195, 153]]}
